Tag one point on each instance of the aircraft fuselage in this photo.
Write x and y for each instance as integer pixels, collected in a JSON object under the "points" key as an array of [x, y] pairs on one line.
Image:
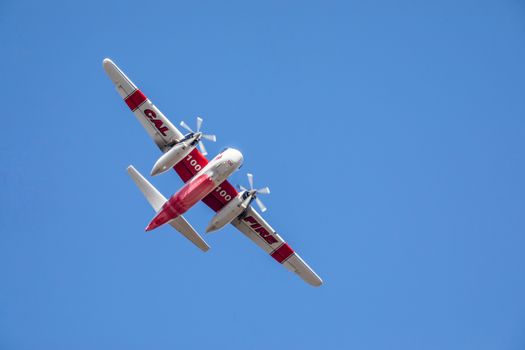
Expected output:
{"points": [[198, 187]]}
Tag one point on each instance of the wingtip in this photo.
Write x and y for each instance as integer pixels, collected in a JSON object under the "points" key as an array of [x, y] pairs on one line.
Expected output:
{"points": [[313, 279], [113, 71], [107, 62], [318, 283], [131, 169]]}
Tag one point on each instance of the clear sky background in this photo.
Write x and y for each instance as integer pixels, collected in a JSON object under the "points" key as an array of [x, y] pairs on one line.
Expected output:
{"points": [[392, 135]]}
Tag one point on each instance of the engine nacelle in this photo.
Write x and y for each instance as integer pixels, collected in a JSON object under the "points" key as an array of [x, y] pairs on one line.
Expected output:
{"points": [[177, 153], [234, 208]]}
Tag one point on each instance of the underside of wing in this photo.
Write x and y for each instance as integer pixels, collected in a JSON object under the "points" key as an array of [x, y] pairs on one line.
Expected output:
{"points": [[261, 233], [184, 227], [159, 128]]}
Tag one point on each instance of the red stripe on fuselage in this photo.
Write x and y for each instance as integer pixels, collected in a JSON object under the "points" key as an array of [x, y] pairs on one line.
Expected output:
{"points": [[186, 170], [135, 99], [183, 200], [282, 253]]}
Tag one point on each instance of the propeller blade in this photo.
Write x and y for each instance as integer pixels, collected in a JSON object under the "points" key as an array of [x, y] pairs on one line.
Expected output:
{"points": [[209, 137], [199, 123], [260, 204], [202, 148], [242, 188], [185, 126], [265, 190], [250, 180]]}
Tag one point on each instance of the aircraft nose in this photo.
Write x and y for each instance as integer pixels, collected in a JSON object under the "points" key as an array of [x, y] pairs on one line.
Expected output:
{"points": [[237, 157]]}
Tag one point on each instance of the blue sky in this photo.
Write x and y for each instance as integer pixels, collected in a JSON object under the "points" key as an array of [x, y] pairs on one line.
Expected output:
{"points": [[392, 135]]}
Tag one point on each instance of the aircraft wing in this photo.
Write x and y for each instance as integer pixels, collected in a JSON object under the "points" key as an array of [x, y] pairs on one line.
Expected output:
{"points": [[261, 233], [164, 134], [156, 124]]}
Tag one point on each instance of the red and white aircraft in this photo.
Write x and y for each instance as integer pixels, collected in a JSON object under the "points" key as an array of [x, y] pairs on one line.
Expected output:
{"points": [[204, 180]]}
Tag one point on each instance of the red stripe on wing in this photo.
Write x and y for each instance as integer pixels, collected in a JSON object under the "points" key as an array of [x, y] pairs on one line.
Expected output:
{"points": [[184, 167], [135, 99], [183, 171], [213, 201], [282, 253], [220, 201]]}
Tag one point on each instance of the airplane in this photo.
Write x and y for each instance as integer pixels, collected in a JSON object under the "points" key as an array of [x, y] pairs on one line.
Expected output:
{"points": [[204, 180]]}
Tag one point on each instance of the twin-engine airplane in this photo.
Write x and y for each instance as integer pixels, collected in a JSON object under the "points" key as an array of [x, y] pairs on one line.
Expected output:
{"points": [[204, 181]]}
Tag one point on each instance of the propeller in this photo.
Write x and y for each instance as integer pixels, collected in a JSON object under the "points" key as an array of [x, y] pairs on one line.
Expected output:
{"points": [[199, 135], [254, 193]]}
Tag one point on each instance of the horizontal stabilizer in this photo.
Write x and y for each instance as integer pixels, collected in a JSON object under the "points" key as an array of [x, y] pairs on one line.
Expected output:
{"points": [[183, 226], [156, 199]]}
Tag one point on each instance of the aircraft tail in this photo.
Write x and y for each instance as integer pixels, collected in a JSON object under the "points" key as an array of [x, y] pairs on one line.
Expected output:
{"points": [[157, 200]]}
